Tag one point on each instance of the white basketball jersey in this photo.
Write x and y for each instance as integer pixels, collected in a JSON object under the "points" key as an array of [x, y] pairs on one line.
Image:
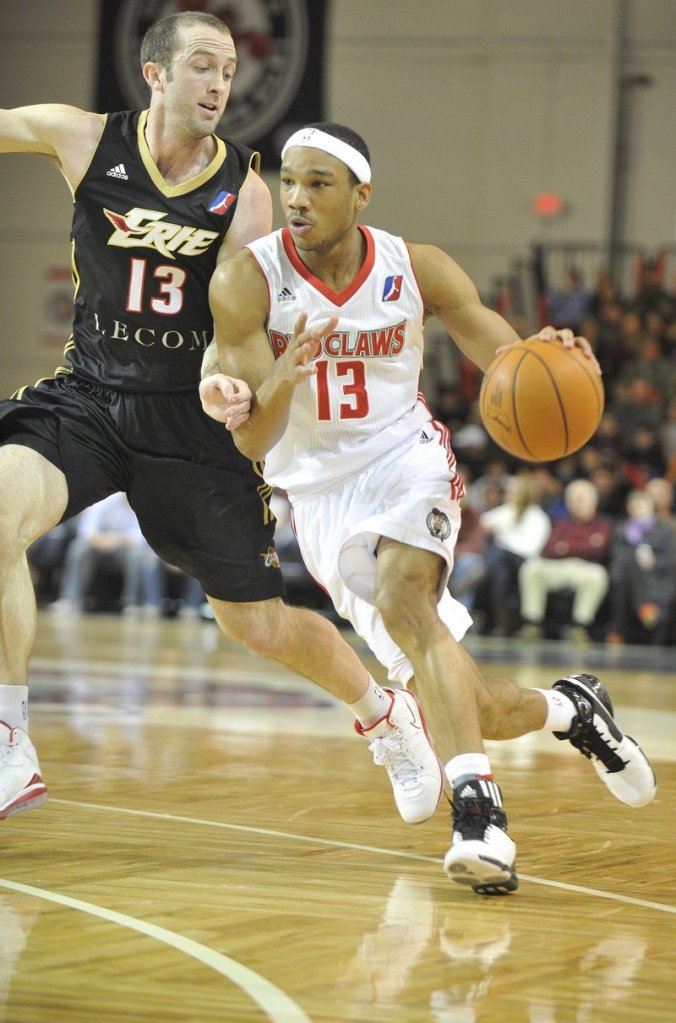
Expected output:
{"points": [[364, 399]]}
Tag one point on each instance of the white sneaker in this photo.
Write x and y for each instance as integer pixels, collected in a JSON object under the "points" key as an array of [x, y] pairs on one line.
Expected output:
{"points": [[482, 854], [21, 784], [400, 743]]}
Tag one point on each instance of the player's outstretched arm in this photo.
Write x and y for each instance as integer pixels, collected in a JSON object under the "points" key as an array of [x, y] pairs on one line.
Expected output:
{"points": [[478, 331], [449, 294], [66, 135]]}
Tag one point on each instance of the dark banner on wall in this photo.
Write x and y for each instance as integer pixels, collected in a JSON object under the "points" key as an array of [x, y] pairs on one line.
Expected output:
{"points": [[279, 85]]}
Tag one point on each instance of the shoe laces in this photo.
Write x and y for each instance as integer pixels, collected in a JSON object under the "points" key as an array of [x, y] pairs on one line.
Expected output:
{"points": [[473, 816], [592, 740], [392, 752], [591, 743]]}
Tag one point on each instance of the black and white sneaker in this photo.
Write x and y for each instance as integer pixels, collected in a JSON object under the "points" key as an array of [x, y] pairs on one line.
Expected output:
{"points": [[618, 759], [482, 854]]}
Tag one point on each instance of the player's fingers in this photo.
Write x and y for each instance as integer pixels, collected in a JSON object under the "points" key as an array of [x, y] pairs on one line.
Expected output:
{"points": [[300, 325], [550, 333], [215, 411], [588, 352], [233, 421]]}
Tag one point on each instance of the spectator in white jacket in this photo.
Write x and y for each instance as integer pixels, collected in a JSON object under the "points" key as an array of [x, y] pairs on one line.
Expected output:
{"points": [[517, 530]]}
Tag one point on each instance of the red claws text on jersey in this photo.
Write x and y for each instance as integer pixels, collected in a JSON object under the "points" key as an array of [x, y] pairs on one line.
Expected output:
{"points": [[368, 344]]}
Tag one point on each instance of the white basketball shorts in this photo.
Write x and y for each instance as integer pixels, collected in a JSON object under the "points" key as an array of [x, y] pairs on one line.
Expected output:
{"points": [[406, 496]]}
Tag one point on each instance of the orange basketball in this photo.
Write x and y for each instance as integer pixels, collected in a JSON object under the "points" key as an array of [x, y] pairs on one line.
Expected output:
{"points": [[540, 401]]}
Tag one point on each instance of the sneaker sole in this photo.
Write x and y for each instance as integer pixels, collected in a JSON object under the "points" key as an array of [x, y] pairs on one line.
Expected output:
{"points": [[485, 876], [30, 799]]}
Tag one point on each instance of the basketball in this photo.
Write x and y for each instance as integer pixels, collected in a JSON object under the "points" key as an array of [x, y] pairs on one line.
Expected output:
{"points": [[540, 401]]}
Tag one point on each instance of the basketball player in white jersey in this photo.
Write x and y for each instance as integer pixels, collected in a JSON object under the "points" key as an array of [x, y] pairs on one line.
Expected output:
{"points": [[323, 320]]}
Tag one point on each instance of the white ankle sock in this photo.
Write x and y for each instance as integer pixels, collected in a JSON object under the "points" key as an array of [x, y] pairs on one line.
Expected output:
{"points": [[468, 763], [372, 706], [14, 706], [560, 710]]}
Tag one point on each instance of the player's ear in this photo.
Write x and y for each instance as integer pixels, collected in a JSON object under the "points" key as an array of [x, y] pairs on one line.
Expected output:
{"points": [[152, 73], [364, 191]]}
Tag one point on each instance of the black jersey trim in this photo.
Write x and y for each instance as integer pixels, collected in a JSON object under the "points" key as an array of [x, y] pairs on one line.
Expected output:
{"points": [[185, 186]]}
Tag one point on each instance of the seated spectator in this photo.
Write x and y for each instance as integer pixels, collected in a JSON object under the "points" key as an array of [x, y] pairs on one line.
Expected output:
{"points": [[642, 456], [651, 295], [168, 590], [471, 442], [481, 493], [46, 558], [517, 530], [569, 306], [550, 489], [573, 558], [662, 492], [108, 536], [608, 437], [449, 407], [650, 365], [469, 559], [606, 336], [612, 488], [668, 432], [642, 581]]}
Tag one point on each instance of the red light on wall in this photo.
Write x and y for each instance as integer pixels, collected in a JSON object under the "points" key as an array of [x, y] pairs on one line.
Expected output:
{"points": [[548, 204]]}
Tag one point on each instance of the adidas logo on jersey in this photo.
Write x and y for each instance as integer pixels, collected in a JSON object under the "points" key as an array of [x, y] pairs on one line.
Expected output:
{"points": [[286, 295], [118, 172]]}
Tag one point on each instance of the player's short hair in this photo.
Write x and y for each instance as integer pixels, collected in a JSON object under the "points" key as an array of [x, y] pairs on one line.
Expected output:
{"points": [[159, 44], [348, 135]]}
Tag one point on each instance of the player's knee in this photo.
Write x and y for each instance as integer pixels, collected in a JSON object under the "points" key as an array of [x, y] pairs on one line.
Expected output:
{"points": [[406, 613], [252, 625], [33, 497]]}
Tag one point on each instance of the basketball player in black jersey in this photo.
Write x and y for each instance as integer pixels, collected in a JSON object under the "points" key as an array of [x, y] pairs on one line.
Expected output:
{"points": [[159, 201]]}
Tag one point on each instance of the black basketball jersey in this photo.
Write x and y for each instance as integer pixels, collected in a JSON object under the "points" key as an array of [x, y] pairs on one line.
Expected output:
{"points": [[143, 254]]}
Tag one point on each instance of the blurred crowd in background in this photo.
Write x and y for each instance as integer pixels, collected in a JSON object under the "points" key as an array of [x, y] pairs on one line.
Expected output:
{"points": [[582, 549], [585, 547]]}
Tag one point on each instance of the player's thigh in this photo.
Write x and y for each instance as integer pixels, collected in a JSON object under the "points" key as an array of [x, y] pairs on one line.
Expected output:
{"points": [[33, 494]]}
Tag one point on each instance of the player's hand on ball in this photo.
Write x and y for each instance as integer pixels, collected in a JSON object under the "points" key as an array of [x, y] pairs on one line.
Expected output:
{"points": [[567, 338]]}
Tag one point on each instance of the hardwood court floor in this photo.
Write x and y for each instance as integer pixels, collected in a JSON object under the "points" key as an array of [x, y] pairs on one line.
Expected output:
{"points": [[218, 846]]}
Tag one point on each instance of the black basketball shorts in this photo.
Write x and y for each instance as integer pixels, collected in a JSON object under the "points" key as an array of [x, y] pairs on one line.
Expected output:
{"points": [[201, 505]]}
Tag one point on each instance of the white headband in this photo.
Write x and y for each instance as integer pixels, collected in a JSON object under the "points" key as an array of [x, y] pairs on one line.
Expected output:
{"points": [[317, 139]]}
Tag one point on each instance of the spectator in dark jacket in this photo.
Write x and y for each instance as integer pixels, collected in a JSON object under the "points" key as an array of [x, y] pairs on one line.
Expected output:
{"points": [[642, 582]]}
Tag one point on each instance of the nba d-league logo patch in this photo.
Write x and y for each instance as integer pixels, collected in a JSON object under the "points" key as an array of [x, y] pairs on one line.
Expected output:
{"points": [[272, 38], [438, 524]]}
